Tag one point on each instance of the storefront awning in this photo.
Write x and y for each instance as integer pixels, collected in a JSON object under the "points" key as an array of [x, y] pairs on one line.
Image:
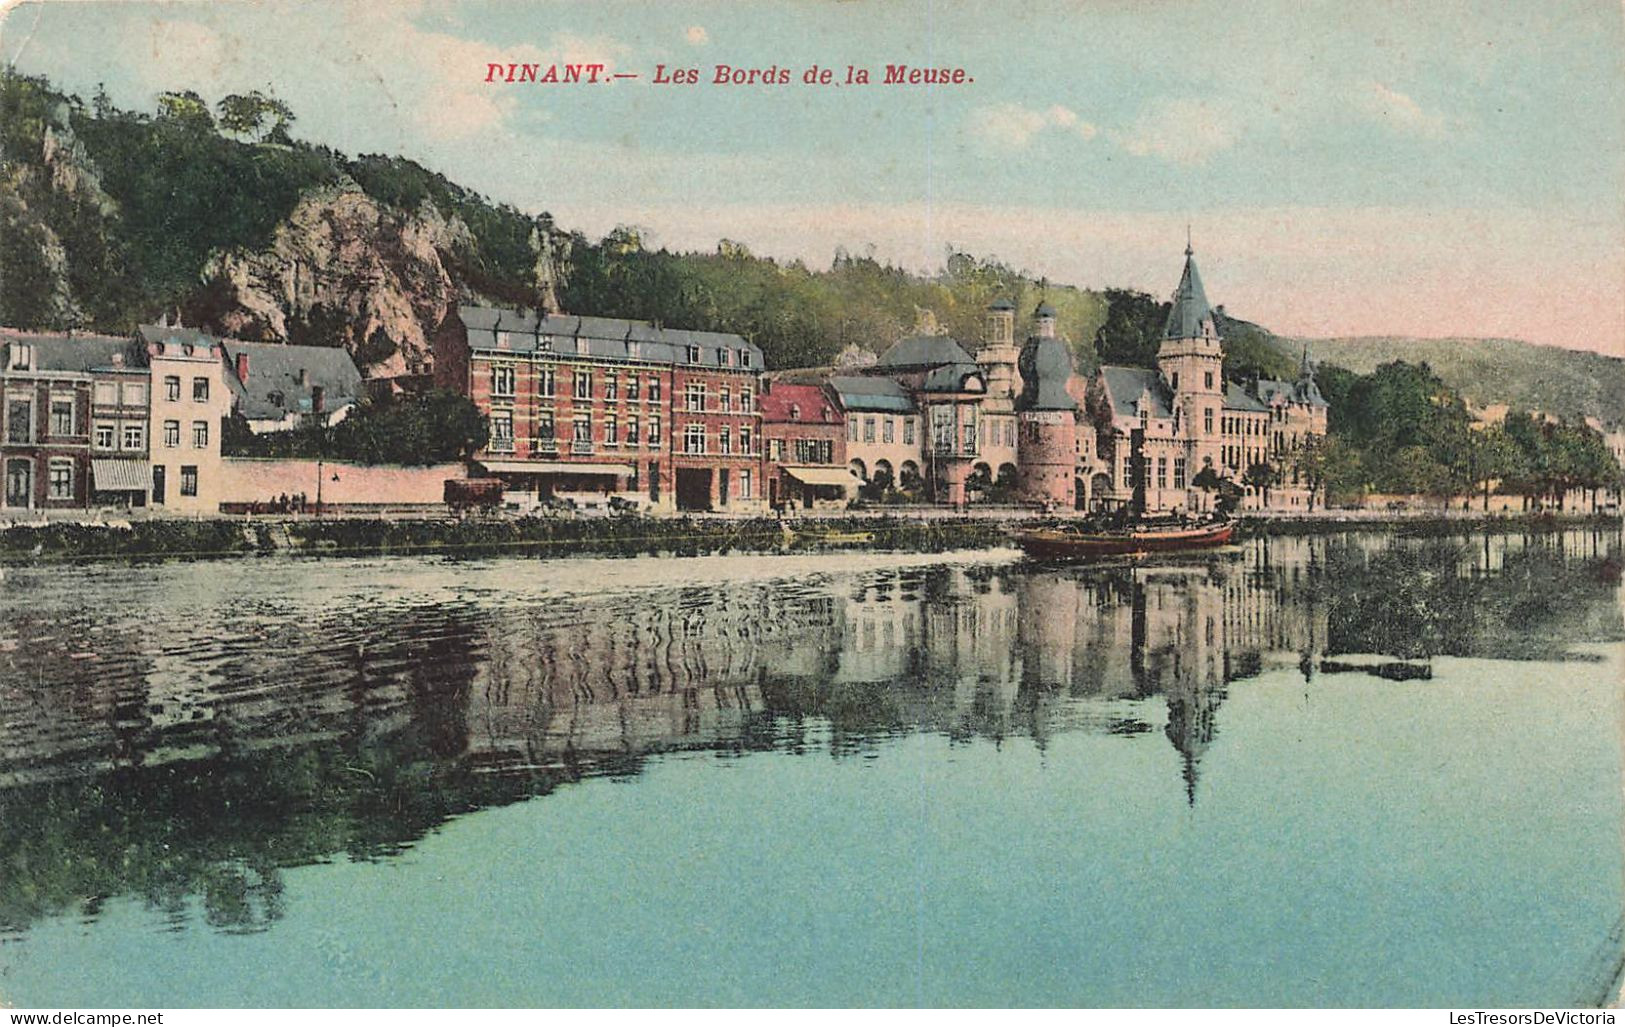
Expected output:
{"points": [[120, 475], [838, 476], [555, 467]]}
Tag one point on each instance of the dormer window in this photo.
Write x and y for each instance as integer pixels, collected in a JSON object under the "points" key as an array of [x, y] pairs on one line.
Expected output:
{"points": [[545, 343], [21, 356], [694, 354], [723, 357], [744, 358], [795, 412], [504, 340]]}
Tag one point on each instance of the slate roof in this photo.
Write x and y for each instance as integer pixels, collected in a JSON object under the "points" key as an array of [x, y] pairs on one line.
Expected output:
{"points": [[952, 378], [810, 400], [611, 338], [866, 392], [272, 390], [176, 333], [1304, 390], [1125, 386], [1237, 398], [1045, 366], [1190, 307], [924, 351], [75, 353]]}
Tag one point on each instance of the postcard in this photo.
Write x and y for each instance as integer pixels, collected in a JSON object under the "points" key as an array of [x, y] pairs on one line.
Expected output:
{"points": [[799, 504]]}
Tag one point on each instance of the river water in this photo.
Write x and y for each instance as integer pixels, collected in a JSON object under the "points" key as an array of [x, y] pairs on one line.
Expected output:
{"points": [[828, 780]]}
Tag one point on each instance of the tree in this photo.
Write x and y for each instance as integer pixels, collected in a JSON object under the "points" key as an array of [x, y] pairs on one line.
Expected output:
{"points": [[256, 116], [1493, 455], [1263, 477], [186, 108], [1132, 332]]}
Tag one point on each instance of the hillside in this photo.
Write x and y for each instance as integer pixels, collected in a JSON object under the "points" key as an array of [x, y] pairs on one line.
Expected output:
{"points": [[111, 217], [1567, 383]]}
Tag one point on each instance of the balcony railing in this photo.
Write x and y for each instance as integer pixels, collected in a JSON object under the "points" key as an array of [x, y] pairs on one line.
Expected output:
{"points": [[581, 447], [501, 445], [545, 447]]}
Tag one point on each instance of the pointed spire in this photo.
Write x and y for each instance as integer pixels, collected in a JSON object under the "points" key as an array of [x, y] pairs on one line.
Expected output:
{"points": [[1303, 364], [1188, 251], [1190, 306]]}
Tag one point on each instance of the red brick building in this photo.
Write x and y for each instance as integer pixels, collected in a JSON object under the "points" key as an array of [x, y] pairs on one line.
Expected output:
{"points": [[804, 451], [74, 421], [610, 406]]}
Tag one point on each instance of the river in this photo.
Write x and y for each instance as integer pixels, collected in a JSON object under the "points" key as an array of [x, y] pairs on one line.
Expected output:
{"points": [[881, 779]]}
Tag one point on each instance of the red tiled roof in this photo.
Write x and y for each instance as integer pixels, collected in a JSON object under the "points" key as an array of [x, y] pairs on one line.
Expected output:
{"points": [[811, 399]]}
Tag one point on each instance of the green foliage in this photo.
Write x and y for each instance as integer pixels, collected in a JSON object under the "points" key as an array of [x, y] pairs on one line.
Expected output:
{"points": [[1131, 333], [438, 427], [256, 116]]}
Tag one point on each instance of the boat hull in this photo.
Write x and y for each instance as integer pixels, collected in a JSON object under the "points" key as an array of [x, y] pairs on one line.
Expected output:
{"points": [[1054, 544]]}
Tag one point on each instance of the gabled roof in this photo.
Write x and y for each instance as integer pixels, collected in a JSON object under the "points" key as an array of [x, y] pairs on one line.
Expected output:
{"points": [[80, 354], [1304, 391], [955, 378], [611, 338], [1190, 307], [272, 390], [924, 351], [865, 392], [780, 402], [1126, 385], [1236, 398]]}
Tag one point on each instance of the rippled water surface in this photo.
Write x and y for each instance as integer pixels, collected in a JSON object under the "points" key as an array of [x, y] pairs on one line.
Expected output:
{"points": [[1219, 779]]}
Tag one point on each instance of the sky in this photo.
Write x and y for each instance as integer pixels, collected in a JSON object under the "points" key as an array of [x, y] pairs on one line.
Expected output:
{"points": [[1437, 169]]}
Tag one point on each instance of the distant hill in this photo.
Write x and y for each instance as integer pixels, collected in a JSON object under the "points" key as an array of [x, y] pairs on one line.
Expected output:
{"points": [[1568, 383]]}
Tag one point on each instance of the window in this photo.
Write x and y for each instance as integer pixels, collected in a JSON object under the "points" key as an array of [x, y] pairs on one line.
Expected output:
{"points": [[747, 398], [172, 388], [696, 396], [61, 479], [726, 400], [744, 440], [612, 388], [583, 431], [969, 435], [502, 376], [694, 354], [172, 434], [61, 417], [744, 358], [583, 384], [725, 442], [654, 390], [189, 480], [135, 394], [200, 390], [545, 343], [775, 449], [632, 386], [504, 340], [19, 421], [1207, 379], [502, 431], [654, 432], [1162, 472], [1207, 420], [612, 430], [135, 436], [724, 358], [632, 438], [200, 434], [694, 438], [106, 393], [852, 429], [908, 431], [744, 483], [545, 431], [544, 380], [1173, 380], [1179, 472], [104, 436], [868, 429], [888, 430]]}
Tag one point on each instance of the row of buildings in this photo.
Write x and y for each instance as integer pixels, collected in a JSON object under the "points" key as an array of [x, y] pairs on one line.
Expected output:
{"points": [[693, 421], [681, 420], [137, 421]]}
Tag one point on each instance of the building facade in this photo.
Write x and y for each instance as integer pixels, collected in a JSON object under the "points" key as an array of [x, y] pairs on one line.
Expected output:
{"points": [[74, 421], [605, 405], [190, 402], [804, 462]]}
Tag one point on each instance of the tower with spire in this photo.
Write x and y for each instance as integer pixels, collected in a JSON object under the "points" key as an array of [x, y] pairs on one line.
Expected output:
{"points": [[1191, 360]]}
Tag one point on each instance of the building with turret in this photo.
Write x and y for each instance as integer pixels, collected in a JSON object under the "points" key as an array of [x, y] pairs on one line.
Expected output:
{"points": [[1048, 441]]}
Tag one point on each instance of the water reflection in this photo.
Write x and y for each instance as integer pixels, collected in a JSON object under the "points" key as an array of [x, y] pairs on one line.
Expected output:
{"points": [[180, 735]]}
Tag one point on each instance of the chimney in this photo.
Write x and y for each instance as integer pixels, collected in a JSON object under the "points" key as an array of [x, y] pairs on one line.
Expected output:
{"points": [[242, 367], [302, 379], [318, 399]]}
